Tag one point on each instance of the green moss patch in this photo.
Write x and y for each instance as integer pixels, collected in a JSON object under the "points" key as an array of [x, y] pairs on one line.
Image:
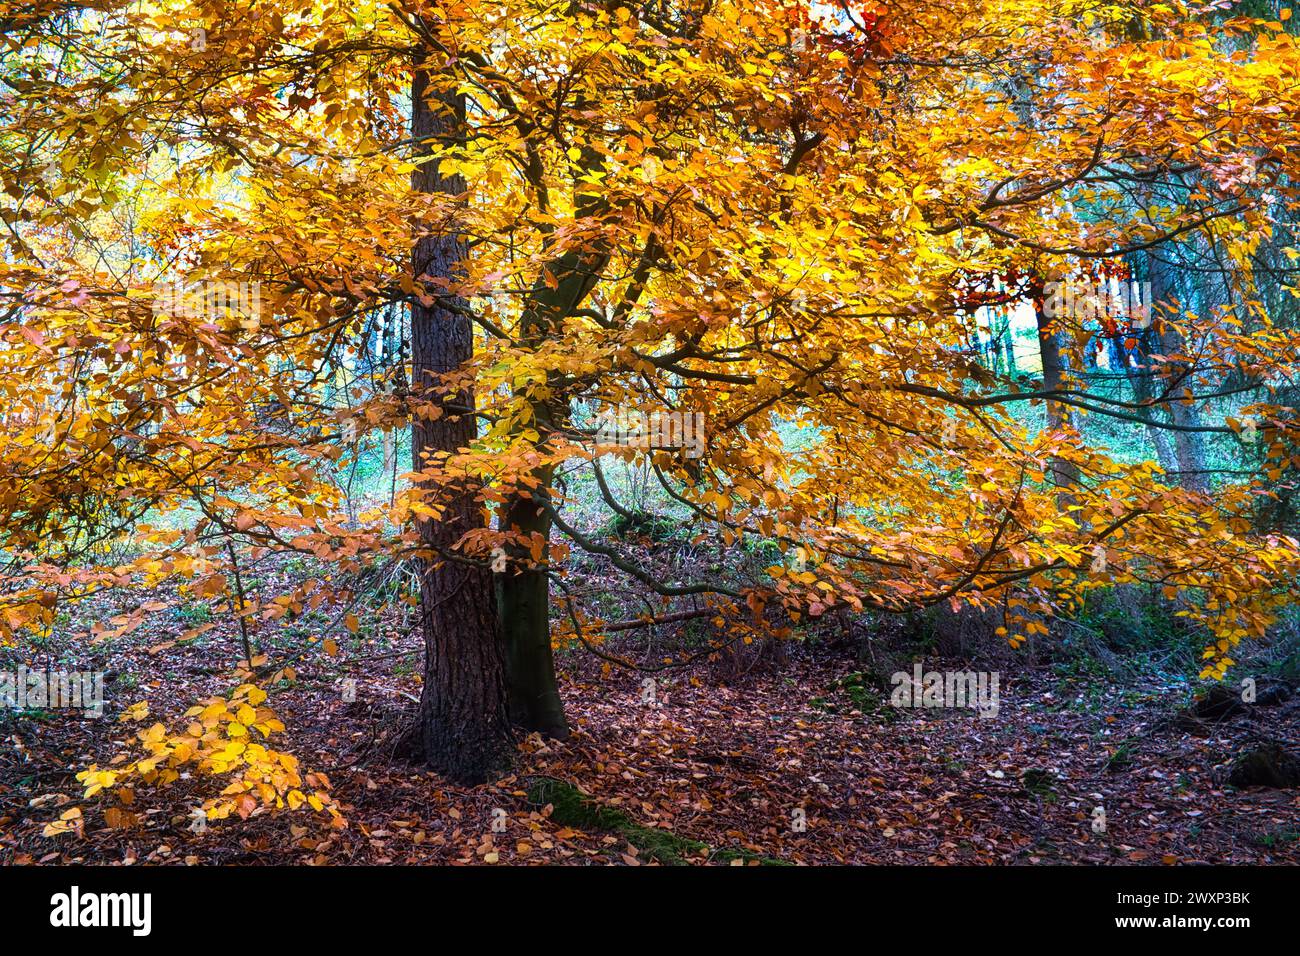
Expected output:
{"points": [[571, 807]]}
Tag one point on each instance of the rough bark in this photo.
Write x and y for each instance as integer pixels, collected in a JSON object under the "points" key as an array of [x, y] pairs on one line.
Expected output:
{"points": [[464, 727]]}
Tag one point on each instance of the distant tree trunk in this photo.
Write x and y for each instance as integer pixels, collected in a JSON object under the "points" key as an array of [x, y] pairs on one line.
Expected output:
{"points": [[1064, 473], [1009, 346], [387, 349], [389, 452], [1138, 373], [464, 727], [1189, 446], [1002, 355]]}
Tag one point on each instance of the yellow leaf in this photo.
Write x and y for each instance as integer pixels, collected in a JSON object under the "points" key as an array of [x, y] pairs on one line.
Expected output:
{"points": [[135, 712]]}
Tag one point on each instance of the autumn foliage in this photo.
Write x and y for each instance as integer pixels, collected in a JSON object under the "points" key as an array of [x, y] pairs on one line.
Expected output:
{"points": [[744, 210]]}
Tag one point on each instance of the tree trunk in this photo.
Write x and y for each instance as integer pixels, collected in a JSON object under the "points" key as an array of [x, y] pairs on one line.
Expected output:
{"points": [[1137, 369], [1009, 347], [523, 598], [464, 727], [524, 592], [1064, 473], [1189, 446]]}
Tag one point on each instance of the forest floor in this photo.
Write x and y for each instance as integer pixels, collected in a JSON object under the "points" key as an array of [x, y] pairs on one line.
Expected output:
{"points": [[797, 760]]}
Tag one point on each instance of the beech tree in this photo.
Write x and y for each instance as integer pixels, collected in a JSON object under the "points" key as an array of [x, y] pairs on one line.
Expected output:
{"points": [[740, 212]]}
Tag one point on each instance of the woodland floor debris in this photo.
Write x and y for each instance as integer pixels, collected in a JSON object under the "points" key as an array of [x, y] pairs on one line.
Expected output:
{"points": [[801, 761]]}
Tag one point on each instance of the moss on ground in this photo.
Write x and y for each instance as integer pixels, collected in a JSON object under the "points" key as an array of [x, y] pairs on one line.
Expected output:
{"points": [[571, 807]]}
